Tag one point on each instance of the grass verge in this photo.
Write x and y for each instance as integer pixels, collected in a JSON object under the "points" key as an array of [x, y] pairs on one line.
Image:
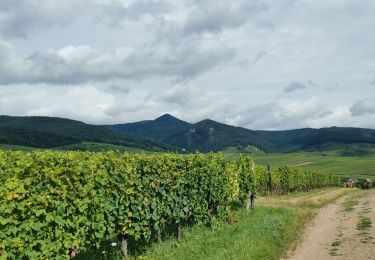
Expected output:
{"points": [[264, 233], [353, 199], [261, 234], [364, 225]]}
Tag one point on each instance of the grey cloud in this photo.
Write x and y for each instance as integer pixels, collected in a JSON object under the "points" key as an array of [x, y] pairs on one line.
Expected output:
{"points": [[273, 115], [259, 55], [179, 52], [246, 63], [294, 86], [263, 116], [209, 16], [214, 16], [335, 86], [19, 18], [297, 85], [311, 83], [119, 88], [265, 24], [325, 113], [78, 64], [283, 114], [180, 95], [121, 107], [362, 107], [116, 12]]}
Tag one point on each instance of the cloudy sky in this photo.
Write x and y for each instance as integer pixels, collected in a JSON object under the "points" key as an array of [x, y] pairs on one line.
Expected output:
{"points": [[260, 64]]}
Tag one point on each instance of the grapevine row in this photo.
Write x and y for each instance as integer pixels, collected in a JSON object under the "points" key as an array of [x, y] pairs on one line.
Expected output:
{"points": [[55, 204]]}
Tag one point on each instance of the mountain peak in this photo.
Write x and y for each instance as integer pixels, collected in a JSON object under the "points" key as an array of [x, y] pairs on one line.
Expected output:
{"points": [[166, 117], [169, 120]]}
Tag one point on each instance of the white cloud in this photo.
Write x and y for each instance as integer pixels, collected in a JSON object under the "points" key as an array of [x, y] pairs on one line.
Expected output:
{"points": [[261, 64], [85, 103]]}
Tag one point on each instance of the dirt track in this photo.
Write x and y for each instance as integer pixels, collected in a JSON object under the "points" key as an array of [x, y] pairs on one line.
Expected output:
{"points": [[336, 233]]}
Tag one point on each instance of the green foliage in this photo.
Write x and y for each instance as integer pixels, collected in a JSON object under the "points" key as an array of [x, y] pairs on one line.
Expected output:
{"points": [[287, 179], [52, 203], [244, 169]]}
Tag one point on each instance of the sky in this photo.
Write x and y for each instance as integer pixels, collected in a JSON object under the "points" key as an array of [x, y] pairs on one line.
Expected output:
{"points": [[259, 64]]}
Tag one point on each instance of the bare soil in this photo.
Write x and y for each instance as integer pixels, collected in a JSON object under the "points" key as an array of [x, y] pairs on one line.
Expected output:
{"points": [[336, 233]]}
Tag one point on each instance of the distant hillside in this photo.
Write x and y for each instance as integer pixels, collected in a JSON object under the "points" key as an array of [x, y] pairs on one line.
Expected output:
{"points": [[48, 132], [204, 136], [308, 138], [209, 135], [168, 133]]}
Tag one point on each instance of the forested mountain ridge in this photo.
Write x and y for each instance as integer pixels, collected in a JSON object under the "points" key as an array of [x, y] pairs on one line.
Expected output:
{"points": [[168, 133], [208, 135], [48, 132]]}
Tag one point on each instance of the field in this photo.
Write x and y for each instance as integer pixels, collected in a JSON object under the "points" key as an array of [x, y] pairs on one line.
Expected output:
{"points": [[84, 146], [11, 147], [97, 147], [337, 165]]}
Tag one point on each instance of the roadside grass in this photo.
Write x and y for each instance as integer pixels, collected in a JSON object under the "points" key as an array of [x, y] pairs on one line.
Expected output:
{"points": [[267, 232], [353, 199], [264, 233], [350, 203], [307, 201], [364, 223], [335, 247]]}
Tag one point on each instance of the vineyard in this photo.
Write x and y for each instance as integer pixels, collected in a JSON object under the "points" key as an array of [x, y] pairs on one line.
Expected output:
{"points": [[54, 205]]}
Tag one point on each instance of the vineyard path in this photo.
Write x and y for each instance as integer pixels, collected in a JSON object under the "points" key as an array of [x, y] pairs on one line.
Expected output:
{"points": [[339, 234]]}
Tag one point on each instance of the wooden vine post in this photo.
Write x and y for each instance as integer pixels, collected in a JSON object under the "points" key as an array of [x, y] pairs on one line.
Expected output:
{"points": [[179, 232], [124, 249], [248, 201], [158, 237], [269, 178]]}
